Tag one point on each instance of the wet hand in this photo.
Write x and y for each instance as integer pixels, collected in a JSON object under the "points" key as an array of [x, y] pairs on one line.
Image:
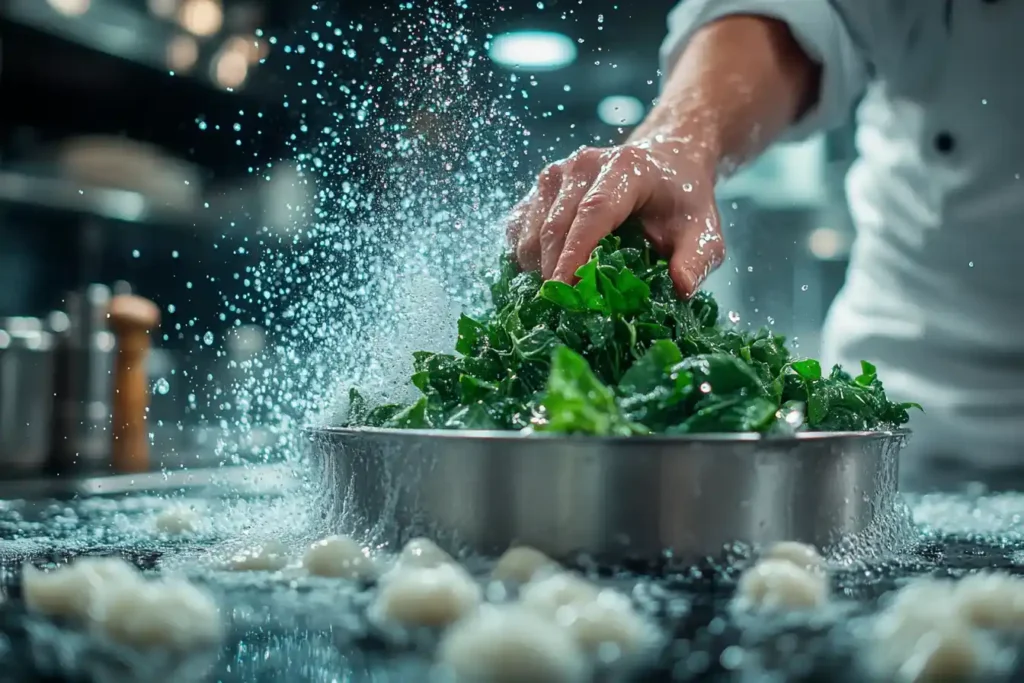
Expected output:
{"points": [[577, 201]]}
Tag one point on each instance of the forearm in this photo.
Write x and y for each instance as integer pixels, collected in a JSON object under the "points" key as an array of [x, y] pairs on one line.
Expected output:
{"points": [[738, 84]]}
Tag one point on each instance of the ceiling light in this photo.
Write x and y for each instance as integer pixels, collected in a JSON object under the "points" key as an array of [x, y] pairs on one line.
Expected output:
{"points": [[72, 8], [230, 68], [201, 17], [621, 110], [182, 53], [534, 50], [254, 48], [825, 243], [164, 9]]}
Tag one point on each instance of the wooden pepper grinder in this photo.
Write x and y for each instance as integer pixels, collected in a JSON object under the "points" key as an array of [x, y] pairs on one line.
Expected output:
{"points": [[132, 320]]}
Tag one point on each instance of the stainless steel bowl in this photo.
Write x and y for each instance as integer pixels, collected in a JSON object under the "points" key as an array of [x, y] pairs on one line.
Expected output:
{"points": [[643, 497]]}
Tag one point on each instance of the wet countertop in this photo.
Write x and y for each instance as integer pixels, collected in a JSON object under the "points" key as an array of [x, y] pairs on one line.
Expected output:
{"points": [[283, 628]]}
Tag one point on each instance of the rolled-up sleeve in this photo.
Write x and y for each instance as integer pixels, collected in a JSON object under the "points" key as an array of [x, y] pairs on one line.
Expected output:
{"points": [[820, 27]]}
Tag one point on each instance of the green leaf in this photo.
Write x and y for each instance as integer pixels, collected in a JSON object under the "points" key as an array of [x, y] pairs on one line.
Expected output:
{"points": [[650, 371], [722, 374], [731, 415], [413, 417], [562, 295], [651, 391], [808, 369], [474, 416], [472, 389], [471, 335], [577, 402], [868, 374], [537, 345], [382, 414], [507, 269], [588, 289], [437, 373], [357, 407]]}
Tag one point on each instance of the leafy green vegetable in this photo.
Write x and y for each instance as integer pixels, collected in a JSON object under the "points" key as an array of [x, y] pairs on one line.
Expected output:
{"points": [[619, 354], [576, 401]]}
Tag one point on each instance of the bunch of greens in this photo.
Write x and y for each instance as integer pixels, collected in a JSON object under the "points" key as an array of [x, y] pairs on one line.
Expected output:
{"points": [[620, 354]]}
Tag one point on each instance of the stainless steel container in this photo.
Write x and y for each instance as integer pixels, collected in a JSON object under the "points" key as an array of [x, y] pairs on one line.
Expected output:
{"points": [[26, 395], [640, 497], [84, 383]]}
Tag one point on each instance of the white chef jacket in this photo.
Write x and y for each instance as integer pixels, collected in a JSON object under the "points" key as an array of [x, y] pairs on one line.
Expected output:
{"points": [[935, 289]]}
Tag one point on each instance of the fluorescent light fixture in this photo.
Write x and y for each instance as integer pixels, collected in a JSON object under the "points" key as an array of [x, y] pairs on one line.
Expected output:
{"points": [[71, 8], [621, 110], [534, 50]]}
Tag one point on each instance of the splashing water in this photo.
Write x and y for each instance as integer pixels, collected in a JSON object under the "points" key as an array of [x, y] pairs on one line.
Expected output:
{"points": [[382, 262]]}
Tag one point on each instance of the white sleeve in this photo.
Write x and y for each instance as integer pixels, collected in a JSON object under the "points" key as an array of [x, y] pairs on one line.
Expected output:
{"points": [[820, 27]]}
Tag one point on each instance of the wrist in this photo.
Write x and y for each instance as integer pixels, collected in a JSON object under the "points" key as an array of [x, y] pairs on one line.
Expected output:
{"points": [[684, 146]]}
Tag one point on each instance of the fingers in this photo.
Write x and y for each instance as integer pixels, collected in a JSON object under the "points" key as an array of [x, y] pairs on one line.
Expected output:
{"points": [[563, 211], [697, 249], [523, 230], [616, 193]]}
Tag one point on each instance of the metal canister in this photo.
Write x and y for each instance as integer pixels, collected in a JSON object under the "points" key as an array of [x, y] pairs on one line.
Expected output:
{"points": [[83, 383], [26, 395]]}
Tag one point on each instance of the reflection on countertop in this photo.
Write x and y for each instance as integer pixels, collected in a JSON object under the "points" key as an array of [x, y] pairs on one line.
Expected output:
{"points": [[227, 479]]}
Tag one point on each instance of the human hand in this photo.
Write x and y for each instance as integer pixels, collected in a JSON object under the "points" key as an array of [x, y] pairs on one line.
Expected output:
{"points": [[668, 183]]}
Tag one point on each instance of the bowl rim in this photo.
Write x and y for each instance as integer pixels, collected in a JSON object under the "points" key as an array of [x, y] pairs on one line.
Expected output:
{"points": [[519, 436]]}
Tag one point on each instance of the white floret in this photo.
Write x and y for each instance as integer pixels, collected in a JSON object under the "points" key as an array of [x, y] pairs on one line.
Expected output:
{"points": [[509, 644], [178, 520], [166, 613], [546, 595], [427, 596], [339, 557], [802, 555], [521, 564], [422, 552], [112, 598], [779, 585], [922, 637], [991, 600], [267, 556], [75, 590], [608, 626]]}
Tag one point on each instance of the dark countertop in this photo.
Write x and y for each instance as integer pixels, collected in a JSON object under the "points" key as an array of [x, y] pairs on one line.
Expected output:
{"points": [[280, 628]]}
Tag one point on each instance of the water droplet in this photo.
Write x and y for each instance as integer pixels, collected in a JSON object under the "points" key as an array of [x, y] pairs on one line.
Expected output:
{"points": [[208, 338], [705, 388], [803, 288], [750, 269], [970, 264], [687, 187]]}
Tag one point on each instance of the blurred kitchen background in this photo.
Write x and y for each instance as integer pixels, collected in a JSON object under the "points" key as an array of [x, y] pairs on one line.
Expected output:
{"points": [[117, 174]]}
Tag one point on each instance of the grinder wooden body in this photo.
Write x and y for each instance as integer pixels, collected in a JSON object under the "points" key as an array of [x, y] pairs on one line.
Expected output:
{"points": [[132, 320]]}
